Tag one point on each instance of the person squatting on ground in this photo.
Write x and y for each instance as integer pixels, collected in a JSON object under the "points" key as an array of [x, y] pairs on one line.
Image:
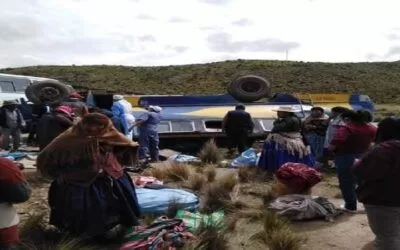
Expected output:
{"points": [[91, 193], [314, 129], [378, 175], [11, 122], [285, 143], [13, 189], [237, 125], [147, 124], [123, 109], [350, 141]]}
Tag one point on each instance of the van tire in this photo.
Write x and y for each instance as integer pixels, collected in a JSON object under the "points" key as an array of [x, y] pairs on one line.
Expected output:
{"points": [[249, 88], [49, 92]]}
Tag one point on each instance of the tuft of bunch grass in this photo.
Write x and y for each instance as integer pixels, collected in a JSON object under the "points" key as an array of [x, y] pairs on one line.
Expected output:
{"points": [[196, 182], [176, 171], [210, 173], [210, 237], [277, 234], [210, 153], [228, 181]]}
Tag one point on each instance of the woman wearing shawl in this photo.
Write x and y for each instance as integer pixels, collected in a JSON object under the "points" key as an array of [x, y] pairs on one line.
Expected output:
{"points": [[90, 193], [314, 128], [285, 143]]}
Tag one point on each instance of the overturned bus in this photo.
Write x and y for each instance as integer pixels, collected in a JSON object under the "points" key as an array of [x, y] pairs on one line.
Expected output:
{"points": [[199, 118]]}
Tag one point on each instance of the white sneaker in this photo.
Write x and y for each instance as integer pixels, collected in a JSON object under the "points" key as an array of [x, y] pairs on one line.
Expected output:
{"points": [[343, 208]]}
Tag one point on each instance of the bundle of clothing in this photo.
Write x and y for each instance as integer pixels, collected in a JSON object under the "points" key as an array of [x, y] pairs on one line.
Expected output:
{"points": [[298, 177], [91, 193], [163, 233], [298, 207]]}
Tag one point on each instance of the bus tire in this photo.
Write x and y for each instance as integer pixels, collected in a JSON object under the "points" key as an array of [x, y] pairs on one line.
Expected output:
{"points": [[249, 88]]}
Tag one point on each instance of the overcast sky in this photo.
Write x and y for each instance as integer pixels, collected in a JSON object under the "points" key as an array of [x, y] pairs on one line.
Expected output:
{"points": [[164, 32]]}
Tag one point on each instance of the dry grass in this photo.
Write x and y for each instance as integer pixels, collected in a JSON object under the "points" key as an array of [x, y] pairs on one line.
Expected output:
{"points": [[196, 182], [228, 181], [210, 173], [156, 172], [284, 239], [34, 178], [209, 237], [277, 234], [34, 235], [210, 153]]}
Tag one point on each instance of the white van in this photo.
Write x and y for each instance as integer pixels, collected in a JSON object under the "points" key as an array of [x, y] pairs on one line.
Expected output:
{"points": [[12, 87]]}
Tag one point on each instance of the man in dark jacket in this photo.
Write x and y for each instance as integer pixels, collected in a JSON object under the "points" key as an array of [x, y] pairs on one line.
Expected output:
{"points": [[11, 122], [237, 125]]}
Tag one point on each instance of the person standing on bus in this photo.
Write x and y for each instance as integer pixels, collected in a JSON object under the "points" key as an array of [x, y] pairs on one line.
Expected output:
{"points": [[11, 122]]}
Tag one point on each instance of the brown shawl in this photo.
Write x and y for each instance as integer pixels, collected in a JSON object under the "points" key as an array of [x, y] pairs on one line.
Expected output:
{"points": [[77, 146]]}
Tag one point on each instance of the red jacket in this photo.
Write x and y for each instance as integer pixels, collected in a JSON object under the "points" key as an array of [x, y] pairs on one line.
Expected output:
{"points": [[353, 139]]}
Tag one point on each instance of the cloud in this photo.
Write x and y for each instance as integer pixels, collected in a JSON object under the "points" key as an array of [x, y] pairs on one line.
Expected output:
{"points": [[393, 36], [216, 2], [178, 20], [146, 17], [223, 42], [177, 49], [242, 22], [393, 51], [147, 38]]}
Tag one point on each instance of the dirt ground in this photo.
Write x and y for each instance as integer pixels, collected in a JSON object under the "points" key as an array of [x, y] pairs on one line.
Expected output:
{"points": [[346, 232]]}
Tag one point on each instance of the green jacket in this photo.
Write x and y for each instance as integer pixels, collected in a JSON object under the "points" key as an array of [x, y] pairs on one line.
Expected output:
{"points": [[287, 124]]}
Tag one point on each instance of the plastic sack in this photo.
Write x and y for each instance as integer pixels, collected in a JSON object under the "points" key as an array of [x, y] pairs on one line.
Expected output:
{"points": [[183, 158], [194, 220], [298, 207], [157, 201], [248, 158]]}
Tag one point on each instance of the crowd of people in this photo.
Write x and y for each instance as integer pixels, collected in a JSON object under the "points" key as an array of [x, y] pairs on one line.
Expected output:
{"points": [[85, 150]]}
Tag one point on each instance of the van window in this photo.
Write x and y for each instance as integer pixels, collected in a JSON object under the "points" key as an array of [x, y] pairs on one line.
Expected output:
{"points": [[20, 86], [164, 127], [6, 87]]}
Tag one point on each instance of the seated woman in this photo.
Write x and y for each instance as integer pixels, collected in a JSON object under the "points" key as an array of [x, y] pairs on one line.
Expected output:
{"points": [[285, 143], [90, 193]]}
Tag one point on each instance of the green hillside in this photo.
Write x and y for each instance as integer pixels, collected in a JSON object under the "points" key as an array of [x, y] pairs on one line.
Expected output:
{"points": [[378, 80]]}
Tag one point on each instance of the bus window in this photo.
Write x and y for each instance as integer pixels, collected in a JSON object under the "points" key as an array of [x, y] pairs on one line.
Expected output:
{"points": [[6, 87]]}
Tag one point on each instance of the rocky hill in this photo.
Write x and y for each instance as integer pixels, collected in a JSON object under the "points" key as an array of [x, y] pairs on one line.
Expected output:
{"points": [[378, 80]]}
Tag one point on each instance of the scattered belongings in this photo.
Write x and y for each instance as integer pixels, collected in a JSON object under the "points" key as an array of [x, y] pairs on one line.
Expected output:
{"points": [[166, 153], [163, 233], [156, 199], [248, 158], [295, 178], [183, 158], [142, 181], [14, 156], [298, 207], [193, 220]]}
